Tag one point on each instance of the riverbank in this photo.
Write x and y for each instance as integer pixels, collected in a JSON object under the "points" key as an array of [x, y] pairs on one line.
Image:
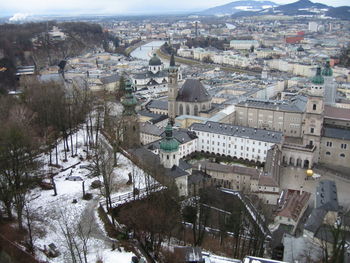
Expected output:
{"points": [[192, 62], [130, 49]]}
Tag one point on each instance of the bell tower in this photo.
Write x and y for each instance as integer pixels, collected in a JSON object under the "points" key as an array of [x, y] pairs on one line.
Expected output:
{"points": [[173, 88], [330, 90], [169, 149], [313, 117], [130, 134]]}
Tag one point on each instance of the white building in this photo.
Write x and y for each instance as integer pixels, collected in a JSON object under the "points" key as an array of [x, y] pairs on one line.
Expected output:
{"points": [[235, 141], [244, 44]]}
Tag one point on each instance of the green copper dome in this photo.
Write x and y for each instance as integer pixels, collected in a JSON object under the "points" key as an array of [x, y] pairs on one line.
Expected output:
{"points": [[169, 144], [327, 71], [155, 61], [318, 79]]}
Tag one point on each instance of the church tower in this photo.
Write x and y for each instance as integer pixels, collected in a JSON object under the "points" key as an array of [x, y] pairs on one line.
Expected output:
{"points": [[130, 135], [313, 117], [330, 90], [169, 149], [173, 88]]}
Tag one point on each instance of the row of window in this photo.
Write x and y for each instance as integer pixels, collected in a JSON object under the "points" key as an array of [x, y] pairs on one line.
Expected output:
{"points": [[229, 138], [229, 145], [342, 145], [234, 153], [341, 155]]}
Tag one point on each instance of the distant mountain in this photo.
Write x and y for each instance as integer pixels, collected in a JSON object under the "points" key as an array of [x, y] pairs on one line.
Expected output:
{"points": [[238, 6], [341, 12], [301, 7]]}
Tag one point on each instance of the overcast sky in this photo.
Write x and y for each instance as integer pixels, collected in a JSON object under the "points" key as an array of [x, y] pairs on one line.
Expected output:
{"points": [[8, 7]]}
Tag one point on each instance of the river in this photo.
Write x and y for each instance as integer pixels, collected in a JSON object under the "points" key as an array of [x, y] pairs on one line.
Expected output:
{"points": [[145, 52]]}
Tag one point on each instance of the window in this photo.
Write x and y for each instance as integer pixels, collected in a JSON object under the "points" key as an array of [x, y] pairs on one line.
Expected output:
{"points": [[314, 107], [218, 143], [312, 130], [174, 156], [329, 144], [342, 155], [343, 145], [328, 153], [167, 156]]}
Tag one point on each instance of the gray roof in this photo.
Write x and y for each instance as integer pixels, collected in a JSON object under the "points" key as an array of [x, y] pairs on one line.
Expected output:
{"points": [[157, 104], [110, 79], [149, 128], [149, 74], [239, 131], [193, 91], [181, 135], [337, 133], [296, 104], [326, 196], [315, 220]]}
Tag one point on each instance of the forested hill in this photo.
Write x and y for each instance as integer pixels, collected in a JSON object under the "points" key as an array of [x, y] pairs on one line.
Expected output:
{"points": [[32, 44]]}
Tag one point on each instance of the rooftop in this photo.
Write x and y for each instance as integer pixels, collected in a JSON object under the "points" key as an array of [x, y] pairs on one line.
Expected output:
{"points": [[296, 104], [239, 131], [292, 203], [326, 196], [336, 133]]}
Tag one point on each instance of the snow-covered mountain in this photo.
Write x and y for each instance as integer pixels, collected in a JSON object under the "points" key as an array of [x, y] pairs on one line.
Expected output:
{"points": [[238, 6], [301, 8]]}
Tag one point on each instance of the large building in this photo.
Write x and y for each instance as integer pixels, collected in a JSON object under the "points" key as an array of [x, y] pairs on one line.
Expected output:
{"points": [[236, 141], [190, 99], [282, 116]]}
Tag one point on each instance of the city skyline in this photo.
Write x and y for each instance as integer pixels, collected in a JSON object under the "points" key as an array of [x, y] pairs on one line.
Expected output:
{"points": [[133, 7]]}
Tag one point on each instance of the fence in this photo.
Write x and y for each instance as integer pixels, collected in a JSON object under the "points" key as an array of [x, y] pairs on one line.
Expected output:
{"points": [[15, 252]]}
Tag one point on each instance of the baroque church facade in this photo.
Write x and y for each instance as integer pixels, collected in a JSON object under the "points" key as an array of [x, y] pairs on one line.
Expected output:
{"points": [[154, 79]]}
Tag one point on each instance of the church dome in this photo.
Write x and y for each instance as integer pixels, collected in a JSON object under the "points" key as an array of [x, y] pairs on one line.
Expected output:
{"points": [[327, 71], [193, 91], [155, 61], [169, 144], [318, 79], [300, 49]]}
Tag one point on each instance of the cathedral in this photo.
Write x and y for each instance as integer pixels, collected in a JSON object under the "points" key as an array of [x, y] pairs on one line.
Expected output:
{"points": [[189, 99]]}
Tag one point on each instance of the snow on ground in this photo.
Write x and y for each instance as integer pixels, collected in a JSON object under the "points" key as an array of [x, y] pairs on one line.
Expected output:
{"points": [[55, 211]]}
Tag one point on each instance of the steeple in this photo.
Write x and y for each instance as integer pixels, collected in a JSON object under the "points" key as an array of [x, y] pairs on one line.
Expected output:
{"points": [[172, 60], [327, 71], [169, 149], [129, 102], [129, 131], [169, 143], [318, 79]]}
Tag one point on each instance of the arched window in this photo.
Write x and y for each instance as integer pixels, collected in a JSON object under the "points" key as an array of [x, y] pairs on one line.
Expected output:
{"points": [[187, 109], [181, 110], [328, 153], [195, 110], [203, 107], [342, 155]]}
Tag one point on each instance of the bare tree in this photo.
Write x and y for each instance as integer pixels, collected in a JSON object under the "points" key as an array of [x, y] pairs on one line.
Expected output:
{"points": [[76, 236]]}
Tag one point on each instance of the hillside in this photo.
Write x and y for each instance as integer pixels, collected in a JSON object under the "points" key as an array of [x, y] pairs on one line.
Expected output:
{"points": [[238, 6], [299, 8]]}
